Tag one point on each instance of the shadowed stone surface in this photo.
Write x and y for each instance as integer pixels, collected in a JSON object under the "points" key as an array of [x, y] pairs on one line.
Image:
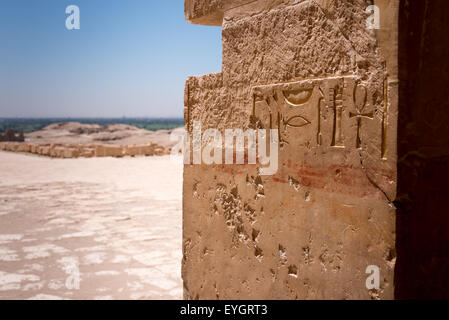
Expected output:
{"points": [[423, 151]]}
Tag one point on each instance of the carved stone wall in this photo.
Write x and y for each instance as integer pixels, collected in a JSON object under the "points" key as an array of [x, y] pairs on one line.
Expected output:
{"points": [[314, 72]]}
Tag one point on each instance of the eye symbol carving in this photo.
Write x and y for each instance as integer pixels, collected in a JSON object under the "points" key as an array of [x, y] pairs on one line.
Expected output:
{"points": [[297, 122], [296, 99]]}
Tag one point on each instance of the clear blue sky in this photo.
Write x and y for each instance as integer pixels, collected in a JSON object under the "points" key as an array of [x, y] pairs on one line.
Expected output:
{"points": [[130, 58]]}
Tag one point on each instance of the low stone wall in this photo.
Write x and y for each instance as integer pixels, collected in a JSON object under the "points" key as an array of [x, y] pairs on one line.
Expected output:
{"points": [[84, 151]]}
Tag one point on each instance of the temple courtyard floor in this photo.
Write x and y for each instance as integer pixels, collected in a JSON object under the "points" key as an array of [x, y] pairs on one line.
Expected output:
{"points": [[100, 228]]}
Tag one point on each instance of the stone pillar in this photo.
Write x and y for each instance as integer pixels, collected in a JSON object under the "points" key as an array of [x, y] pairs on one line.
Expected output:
{"points": [[315, 73]]}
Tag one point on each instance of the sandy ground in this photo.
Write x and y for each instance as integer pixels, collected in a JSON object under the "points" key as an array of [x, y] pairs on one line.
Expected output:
{"points": [[114, 222]]}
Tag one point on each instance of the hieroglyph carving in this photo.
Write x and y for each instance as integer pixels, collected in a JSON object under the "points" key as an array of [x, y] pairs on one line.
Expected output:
{"points": [[299, 111]]}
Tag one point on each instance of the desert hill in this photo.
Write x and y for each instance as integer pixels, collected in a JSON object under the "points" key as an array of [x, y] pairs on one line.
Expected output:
{"points": [[74, 139], [116, 134]]}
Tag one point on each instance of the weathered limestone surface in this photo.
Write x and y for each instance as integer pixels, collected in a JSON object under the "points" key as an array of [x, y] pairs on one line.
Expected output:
{"points": [[313, 71]]}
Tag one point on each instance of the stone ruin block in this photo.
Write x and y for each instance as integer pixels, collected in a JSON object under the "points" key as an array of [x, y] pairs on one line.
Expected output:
{"points": [[331, 88], [24, 147], [5, 146], [88, 152], [109, 151], [114, 151], [100, 151], [14, 146], [56, 150], [133, 151], [148, 150], [44, 150], [71, 152]]}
